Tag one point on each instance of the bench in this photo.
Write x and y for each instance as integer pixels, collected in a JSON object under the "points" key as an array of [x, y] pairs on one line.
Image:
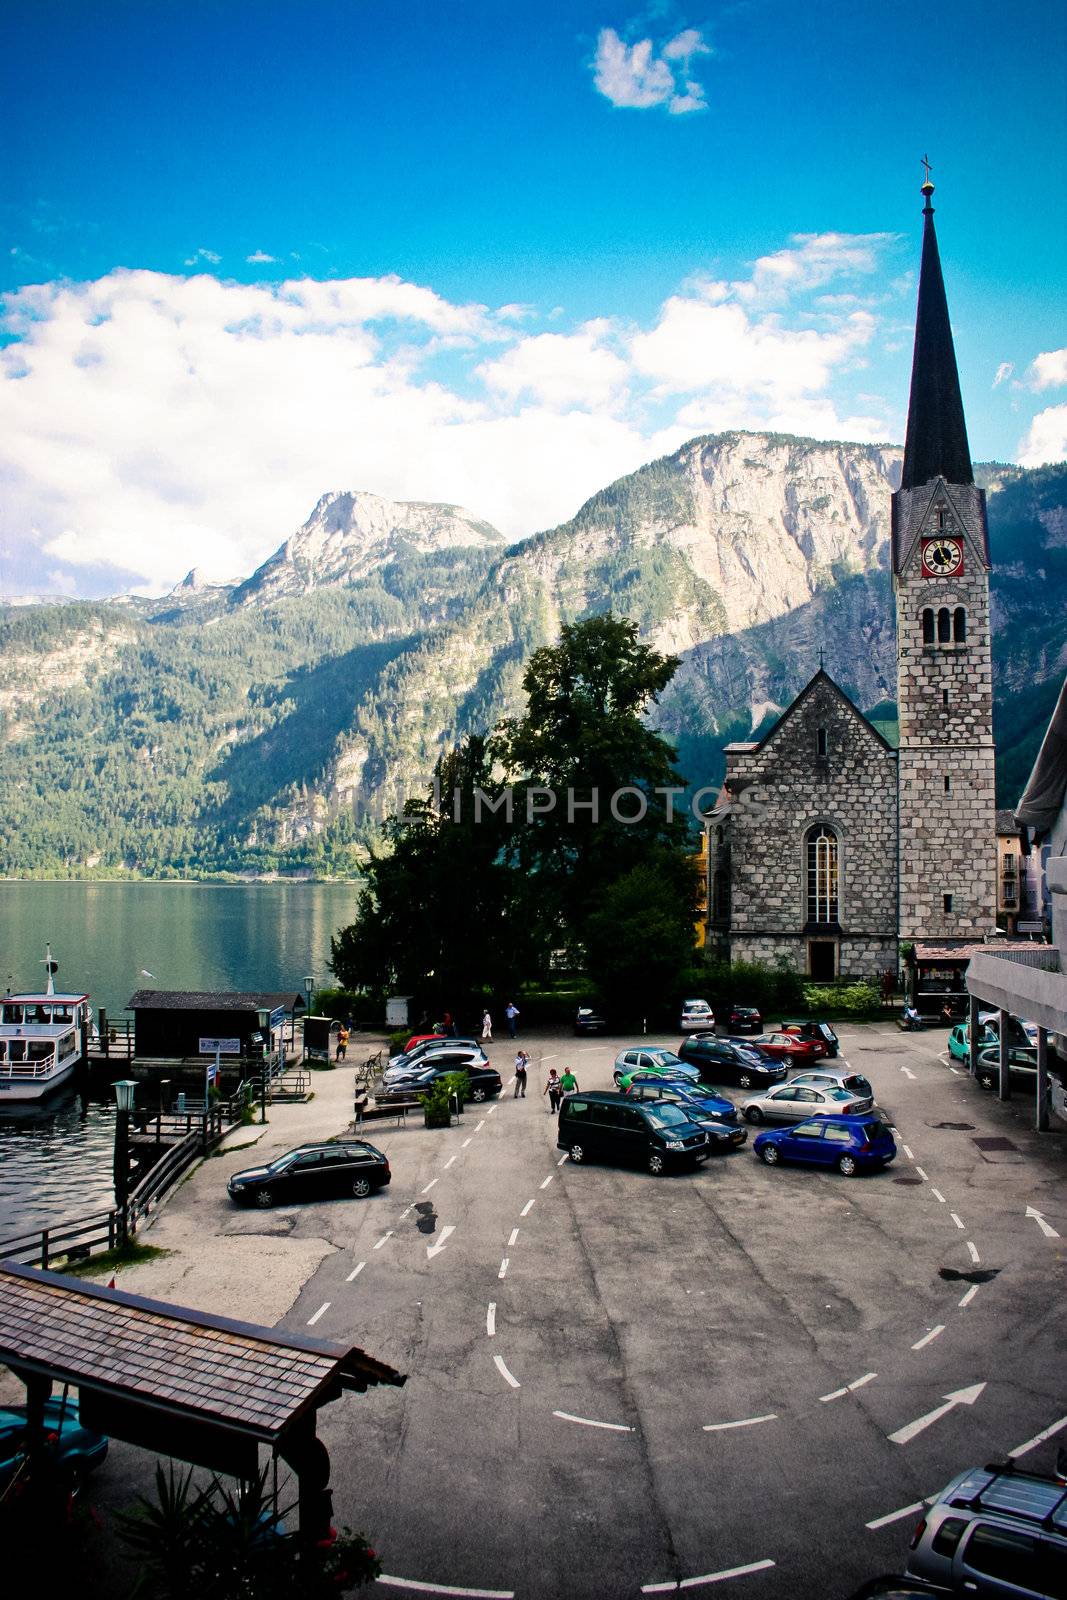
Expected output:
{"points": [[388, 1108]]}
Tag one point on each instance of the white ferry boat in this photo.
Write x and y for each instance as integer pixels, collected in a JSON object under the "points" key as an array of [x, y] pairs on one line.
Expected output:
{"points": [[43, 1038]]}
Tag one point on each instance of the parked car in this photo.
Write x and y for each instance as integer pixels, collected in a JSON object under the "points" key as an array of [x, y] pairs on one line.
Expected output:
{"points": [[743, 1019], [836, 1077], [790, 1104], [484, 1080], [590, 1019], [791, 1047], [604, 1126], [433, 1046], [1022, 1066], [850, 1143], [421, 1038], [995, 1531], [731, 1061], [76, 1449], [646, 1087], [812, 1028], [959, 1040], [313, 1172], [696, 1014], [660, 1063]]}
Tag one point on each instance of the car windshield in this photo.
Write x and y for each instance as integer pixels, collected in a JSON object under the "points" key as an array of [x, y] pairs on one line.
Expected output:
{"points": [[840, 1094], [665, 1058], [667, 1116], [283, 1162]]}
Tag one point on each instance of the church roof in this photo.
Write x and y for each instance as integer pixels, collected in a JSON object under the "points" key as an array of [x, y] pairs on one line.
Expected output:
{"points": [[822, 676], [936, 442]]}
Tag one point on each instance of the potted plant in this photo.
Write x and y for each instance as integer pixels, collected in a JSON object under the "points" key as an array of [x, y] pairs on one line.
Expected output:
{"points": [[436, 1105]]}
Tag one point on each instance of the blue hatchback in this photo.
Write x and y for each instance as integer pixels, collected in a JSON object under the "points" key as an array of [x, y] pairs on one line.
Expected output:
{"points": [[690, 1096], [851, 1144]]}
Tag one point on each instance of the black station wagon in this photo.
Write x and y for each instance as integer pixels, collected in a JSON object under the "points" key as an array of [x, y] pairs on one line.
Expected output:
{"points": [[313, 1172]]}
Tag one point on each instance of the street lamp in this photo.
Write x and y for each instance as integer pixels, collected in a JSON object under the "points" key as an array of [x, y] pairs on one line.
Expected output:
{"points": [[309, 988], [123, 1106], [264, 1031]]}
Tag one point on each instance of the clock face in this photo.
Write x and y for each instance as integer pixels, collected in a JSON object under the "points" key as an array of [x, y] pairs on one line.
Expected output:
{"points": [[942, 558]]}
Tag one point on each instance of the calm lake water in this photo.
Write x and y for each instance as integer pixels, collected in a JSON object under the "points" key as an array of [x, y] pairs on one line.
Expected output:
{"points": [[112, 939]]}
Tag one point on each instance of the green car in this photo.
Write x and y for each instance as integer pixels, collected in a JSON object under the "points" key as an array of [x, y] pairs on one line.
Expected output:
{"points": [[959, 1044]]}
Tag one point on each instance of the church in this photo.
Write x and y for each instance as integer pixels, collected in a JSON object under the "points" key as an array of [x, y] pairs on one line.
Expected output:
{"points": [[827, 846]]}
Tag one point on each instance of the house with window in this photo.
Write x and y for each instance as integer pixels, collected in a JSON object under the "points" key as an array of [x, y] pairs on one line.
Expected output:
{"points": [[1020, 879]]}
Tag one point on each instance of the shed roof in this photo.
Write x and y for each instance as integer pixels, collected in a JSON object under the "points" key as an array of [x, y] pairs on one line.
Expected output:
{"points": [[196, 1366], [208, 1000], [964, 952]]}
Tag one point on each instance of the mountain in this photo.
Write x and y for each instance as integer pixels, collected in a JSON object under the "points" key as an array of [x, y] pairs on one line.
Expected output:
{"points": [[264, 725]]}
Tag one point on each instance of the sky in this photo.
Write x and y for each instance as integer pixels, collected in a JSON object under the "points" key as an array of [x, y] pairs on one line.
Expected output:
{"points": [[493, 254]]}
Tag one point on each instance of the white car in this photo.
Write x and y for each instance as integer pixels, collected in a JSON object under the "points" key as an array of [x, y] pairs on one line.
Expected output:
{"points": [[697, 1016]]}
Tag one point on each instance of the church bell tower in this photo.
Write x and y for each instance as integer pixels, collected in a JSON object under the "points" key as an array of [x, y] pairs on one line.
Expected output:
{"points": [[947, 825]]}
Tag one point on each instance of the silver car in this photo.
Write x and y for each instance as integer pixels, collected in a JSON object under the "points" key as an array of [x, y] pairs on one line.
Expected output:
{"points": [[794, 1102], [835, 1078]]}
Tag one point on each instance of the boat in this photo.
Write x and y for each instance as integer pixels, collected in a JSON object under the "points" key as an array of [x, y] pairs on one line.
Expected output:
{"points": [[44, 1038]]}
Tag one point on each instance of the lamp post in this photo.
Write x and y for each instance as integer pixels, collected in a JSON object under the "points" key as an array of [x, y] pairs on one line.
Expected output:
{"points": [[309, 990], [123, 1106], [264, 1033]]}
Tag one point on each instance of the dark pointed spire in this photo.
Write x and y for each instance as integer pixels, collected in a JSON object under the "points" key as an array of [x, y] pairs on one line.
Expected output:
{"points": [[936, 440]]}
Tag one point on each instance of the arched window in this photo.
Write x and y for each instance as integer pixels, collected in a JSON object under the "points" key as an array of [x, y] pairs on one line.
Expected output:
{"points": [[944, 626], [959, 625], [928, 625], [823, 874]]}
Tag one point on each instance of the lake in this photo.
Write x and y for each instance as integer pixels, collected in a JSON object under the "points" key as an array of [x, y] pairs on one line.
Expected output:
{"points": [[112, 939]]}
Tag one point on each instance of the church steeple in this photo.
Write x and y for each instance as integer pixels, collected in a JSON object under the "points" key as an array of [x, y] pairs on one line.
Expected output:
{"points": [[936, 442]]}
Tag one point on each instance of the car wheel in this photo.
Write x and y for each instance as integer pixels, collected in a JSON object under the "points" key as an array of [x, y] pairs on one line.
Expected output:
{"points": [[769, 1154], [618, 1078], [846, 1165], [745, 1080], [361, 1187], [477, 1094], [986, 1080], [576, 1153], [264, 1198], [656, 1164], [752, 1114]]}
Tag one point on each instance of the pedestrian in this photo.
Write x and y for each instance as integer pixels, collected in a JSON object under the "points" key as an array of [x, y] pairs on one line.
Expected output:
{"points": [[342, 1043], [522, 1061], [511, 1012], [487, 1025], [568, 1082], [553, 1089], [448, 1027]]}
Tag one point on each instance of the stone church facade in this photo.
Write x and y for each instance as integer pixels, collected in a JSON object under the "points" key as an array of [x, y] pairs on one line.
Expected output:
{"points": [[827, 846]]}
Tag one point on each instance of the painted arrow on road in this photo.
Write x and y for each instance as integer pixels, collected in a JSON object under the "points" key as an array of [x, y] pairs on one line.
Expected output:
{"points": [[958, 1397], [1046, 1227], [906, 1073], [435, 1249]]}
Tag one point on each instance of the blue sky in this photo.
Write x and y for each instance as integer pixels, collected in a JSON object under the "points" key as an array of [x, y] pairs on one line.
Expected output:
{"points": [[491, 253]]}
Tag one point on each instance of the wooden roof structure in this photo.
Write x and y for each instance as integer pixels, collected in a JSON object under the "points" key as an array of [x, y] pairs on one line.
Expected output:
{"points": [[206, 1000]]}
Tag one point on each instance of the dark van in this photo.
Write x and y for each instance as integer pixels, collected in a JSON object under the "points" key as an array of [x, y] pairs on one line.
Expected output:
{"points": [[607, 1127]]}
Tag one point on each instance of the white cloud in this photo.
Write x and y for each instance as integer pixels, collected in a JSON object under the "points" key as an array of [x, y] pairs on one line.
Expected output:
{"points": [[635, 76], [811, 260], [199, 257], [1003, 373], [1048, 370], [258, 256], [1046, 439], [560, 370]]}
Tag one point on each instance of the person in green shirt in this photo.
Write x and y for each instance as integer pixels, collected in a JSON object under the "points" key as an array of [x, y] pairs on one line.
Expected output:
{"points": [[568, 1082]]}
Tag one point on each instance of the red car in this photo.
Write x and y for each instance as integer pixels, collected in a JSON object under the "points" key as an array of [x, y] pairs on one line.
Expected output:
{"points": [[421, 1038], [743, 1019], [790, 1048]]}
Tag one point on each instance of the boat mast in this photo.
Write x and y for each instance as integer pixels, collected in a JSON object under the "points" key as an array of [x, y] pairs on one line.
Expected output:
{"points": [[51, 967]]}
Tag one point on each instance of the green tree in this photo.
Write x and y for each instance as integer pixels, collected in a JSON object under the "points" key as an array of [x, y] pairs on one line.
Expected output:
{"points": [[639, 940]]}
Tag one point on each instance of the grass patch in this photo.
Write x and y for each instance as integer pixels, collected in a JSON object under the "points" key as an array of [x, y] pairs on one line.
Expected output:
{"points": [[110, 1261], [230, 1150]]}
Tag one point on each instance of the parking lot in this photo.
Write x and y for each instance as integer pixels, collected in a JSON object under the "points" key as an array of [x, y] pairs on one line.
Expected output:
{"points": [[737, 1376]]}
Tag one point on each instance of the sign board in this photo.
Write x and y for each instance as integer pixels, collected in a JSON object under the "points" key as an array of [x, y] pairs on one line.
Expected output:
{"points": [[222, 1047], [1029, 927], [277, 1016]]}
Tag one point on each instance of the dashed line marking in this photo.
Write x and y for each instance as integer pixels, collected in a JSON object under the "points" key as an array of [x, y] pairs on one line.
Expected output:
{"points": [[907, 1152], [503, 1268], [957, 1220], [588, 1422], [355, 1272], [429, 1186], [324, 1307], [957, 1071], [407, 1210], [928, 1338], [490, 1319], [466, 1142], [974, 1253], [562, 1159], [553, 1057], [449, 1162], [514, 1236], [895, 1516], [1039, 1438], [528, 1207], [446, 1588], [746, 1422], [383, 1238], [480, 1126], [548, 1180], [969, 1296], [709, 1577], [858, 1383], [938, 1195], [504, 1373], [922, 1174], [489, 1113]]}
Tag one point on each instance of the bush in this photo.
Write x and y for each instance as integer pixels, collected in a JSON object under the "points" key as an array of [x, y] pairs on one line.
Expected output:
{"points": [[398, 1040], [843, 999], [777, 990]]}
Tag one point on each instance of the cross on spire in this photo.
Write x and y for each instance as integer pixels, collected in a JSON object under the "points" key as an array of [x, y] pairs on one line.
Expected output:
{"points": [[925, 164]]}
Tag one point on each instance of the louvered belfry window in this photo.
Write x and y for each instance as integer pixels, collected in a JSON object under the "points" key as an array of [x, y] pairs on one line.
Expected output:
{"points": [[822, 874]]}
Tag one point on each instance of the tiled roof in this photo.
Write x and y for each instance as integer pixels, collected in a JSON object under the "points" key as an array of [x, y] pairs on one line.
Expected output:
{"points": [[964, 952], [201, 1000], [252, 1379]]}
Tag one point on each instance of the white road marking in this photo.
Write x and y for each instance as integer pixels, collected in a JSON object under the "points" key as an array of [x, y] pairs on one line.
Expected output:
{"points": [[958, 1397], [1039, 1438], [928, 1338], [907, 1152], [442, 1239], [503, 1268], [510, 1081], [449, 1162], [1046, 1228], [406, 1210], [709, 1577], [858, 1383], [466, 1142], [489, 1113], [974, 1253], [588, 1422], [907, 1074], [528, 1207], [957, 1071], [548, 1180], [383, 1238], [895, 1516], [355, 1272], [553, 1057], [746, 1422], [922, 1174], [480, 1126], [562, 1159], [514, 1236], [504, 1373], [429, 1186], [490, 1319], [957, 1220], [969, 1296], [324, 1307], [445, 1588], [938, 1195]]}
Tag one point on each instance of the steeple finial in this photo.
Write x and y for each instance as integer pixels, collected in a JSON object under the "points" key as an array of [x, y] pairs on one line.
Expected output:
{"points": [[927, 187]]}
